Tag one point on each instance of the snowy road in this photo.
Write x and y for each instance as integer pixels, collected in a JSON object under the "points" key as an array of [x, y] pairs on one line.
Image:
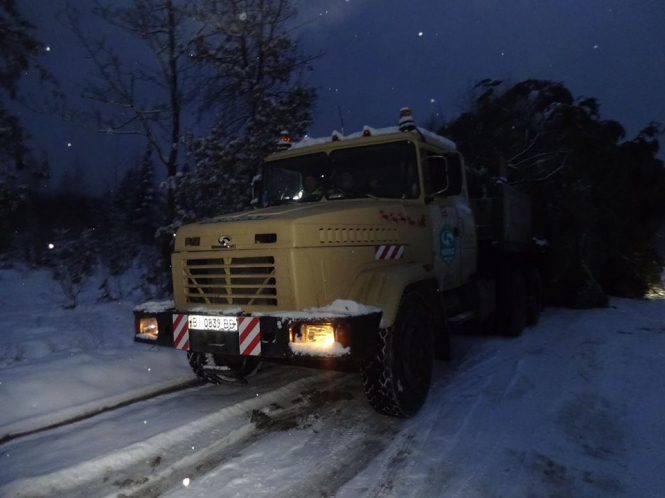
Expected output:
{"points": [[572, 408]]}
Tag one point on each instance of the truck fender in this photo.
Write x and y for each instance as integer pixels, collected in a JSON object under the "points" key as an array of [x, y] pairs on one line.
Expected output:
{"points": [[384, 287]]}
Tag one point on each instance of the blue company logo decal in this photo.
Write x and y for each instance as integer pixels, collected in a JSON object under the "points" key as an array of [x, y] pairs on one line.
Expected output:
{"points": [[447, 244]]}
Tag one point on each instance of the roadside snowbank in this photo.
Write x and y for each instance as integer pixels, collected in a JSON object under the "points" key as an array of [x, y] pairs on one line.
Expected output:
{"points": [[56, 364]]}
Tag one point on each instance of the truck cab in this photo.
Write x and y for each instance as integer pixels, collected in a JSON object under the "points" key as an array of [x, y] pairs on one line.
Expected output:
{"points": [[358, 251]]}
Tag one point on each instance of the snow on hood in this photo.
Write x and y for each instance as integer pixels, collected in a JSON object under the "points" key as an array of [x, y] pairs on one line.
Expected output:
{"points": [[235, 310], [339, 308]]}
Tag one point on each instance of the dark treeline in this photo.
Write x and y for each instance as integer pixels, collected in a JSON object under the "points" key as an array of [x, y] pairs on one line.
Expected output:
{"points": [[235, 66], [232, 71], [74, 234], [597, 196]]}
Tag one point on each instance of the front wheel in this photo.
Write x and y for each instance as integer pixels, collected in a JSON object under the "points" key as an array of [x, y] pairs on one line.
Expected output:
{"points": [[397, 376], [222, 369]]}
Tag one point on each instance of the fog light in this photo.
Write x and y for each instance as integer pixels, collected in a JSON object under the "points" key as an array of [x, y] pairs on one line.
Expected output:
{"points": [[323, 334], [148, 328]]}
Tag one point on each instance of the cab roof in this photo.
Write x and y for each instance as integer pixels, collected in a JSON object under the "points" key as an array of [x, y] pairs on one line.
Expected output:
{"points": [[376, 135]]}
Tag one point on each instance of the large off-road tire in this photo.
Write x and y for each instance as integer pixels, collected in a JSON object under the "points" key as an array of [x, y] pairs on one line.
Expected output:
{"points": [[478, 296], [229, 369], [397, 376], [510, 302], [534, 295]]}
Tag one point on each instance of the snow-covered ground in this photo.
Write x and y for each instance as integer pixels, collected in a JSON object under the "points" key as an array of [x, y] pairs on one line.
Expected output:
{"points": [[572, 408], [56, 364]]}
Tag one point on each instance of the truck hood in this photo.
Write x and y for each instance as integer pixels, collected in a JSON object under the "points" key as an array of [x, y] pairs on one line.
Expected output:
{"points": [[304, 225]]}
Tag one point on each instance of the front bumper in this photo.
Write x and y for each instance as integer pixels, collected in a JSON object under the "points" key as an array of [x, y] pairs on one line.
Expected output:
{"points": [[358, 341]]}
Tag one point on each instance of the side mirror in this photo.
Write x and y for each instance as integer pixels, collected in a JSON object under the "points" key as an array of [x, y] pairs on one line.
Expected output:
{"points": [[439, 163]]}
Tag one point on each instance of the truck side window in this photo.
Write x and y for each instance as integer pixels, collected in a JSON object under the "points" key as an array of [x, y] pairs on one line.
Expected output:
{"points": [[434, 172], [411, 175], [454, 174], [442, 173]]}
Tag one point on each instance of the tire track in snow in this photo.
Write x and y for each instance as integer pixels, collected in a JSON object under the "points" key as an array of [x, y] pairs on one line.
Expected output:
{"points": [[348, 449], [485, 441], [330, 446], [114, 403], [133, 462], [406, 461], [323, 478], [482, 379], [399, 460]]}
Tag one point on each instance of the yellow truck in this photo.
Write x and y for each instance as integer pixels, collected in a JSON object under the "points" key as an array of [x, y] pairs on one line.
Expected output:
{"points": [[364, 248]]}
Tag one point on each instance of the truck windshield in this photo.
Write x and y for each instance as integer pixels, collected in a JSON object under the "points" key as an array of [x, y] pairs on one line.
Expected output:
{"points": [[384, 170], [297, 179]]}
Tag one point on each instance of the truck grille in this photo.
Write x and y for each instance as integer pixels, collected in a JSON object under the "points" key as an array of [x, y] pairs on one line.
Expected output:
{"points": [[231, 281]]}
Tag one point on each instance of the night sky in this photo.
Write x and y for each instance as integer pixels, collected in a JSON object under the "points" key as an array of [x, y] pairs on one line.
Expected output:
{"points": [[380, 55]]}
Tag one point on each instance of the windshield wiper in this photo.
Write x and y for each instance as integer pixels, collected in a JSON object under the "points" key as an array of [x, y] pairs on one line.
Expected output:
{"points": [[282, 202], [351, 195], [304, 200]]}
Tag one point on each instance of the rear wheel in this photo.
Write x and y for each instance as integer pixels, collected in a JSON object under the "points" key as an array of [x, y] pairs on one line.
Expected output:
{"points": [[478, 296], [397, 376], [222, 369], [510, 302]]}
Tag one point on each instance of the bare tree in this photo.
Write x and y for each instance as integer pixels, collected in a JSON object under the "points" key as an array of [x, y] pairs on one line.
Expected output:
{"points": [[254, 86], [235, 60], [134, 96], [251, 56]]}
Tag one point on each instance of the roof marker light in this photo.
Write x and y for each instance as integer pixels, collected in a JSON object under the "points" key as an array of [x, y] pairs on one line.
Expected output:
{"points": [[284, 141], [406, 121]]}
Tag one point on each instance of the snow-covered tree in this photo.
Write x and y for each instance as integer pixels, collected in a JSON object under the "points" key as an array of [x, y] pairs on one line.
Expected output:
{"points": [[71, 258], [256, 92], [144, 208], [135, 212], [599, 195]]}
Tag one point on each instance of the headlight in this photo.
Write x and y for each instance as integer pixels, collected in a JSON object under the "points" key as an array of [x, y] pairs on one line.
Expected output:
{"points": [[322, 334], [148, 328]]}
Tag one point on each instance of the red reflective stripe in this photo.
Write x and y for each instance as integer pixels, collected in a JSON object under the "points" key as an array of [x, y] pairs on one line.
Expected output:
{"points": [[180, 336], [186, 346], [256, 351], [176, 321], [391, 252], [379, 251], [250, 349], [247, 325], [251, 337]]}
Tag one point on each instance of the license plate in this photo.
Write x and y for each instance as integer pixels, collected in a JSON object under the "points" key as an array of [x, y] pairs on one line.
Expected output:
{"points": [[217, 323]]}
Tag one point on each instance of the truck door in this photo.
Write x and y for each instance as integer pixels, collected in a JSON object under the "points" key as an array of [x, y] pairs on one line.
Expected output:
{"points": [[443, 185]]}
